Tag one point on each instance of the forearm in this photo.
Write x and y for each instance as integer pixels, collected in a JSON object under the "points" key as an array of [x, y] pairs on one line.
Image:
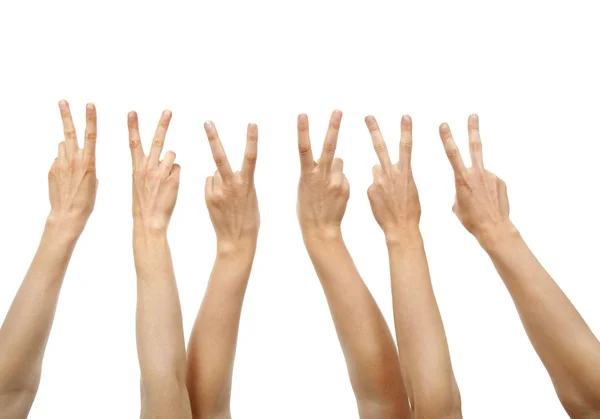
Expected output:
{"points": [[366, 341], [160, 341], [27, 326], [562, 339], [212, 346], [424, 354]]}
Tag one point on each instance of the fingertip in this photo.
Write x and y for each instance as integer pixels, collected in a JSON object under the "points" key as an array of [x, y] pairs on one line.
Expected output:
{"points": [[474, 120], [208, 126], [406, 119], [167, 114], [369, 119], [336, 114], [132, 117], [444, 128], [90, 108], [63, 104]]}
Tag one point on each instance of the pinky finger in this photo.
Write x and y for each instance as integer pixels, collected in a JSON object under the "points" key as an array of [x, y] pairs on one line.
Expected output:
{"points": [[175, 172]]}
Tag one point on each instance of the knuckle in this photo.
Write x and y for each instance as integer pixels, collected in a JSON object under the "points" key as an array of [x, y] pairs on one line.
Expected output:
{"points": [[250, 158], [406, 146], [91, 136], [70, 134], [476, 146], [219, 160], [335, 124], [380, 147], [329, 148], [452, 152], [133, 144], [303, 149], [157, 142]]}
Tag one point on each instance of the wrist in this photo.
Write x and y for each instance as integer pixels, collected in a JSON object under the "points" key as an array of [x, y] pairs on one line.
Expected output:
{"points": [[64, 228], [321, 234], [149, 227], [236, 249], [403, 236], [491, 237]]}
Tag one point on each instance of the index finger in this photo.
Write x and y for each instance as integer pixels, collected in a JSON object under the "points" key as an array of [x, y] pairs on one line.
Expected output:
{"points": [[379, 143], [452, 150], [68, 127], [304, 149], [159, 138], [217, 149], [135, 144], [89, 145], [250, 154], [331, 138]]}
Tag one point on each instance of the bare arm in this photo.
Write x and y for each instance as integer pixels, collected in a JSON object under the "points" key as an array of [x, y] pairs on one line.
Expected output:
{"points": [[233, 208], [366, 341], [424, 354], [159, 329], [25, 331], [567, 347]]}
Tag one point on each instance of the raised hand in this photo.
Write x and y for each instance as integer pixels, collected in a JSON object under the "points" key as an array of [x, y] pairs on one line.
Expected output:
{"points": [[72, 178], [233, 208], [323, 191], [481, 200], [393, 195], [231, 196], [155, 182]]}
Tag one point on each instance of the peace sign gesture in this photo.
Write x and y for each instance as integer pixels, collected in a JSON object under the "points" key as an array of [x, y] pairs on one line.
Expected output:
{"points": [[323, 191], [72, 178], [481, 198], [393, 195], [231, 196]]}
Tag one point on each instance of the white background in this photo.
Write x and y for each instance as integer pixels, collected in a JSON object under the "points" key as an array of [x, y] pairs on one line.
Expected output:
{"points": [[529, 69]]}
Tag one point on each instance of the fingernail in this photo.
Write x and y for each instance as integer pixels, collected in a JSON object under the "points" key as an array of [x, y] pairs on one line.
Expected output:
{"points": [[62, 104], [251, 125], [89, 108], [302, 118], [474, 117], [444, 127], [208, 125], [406, 119], [131, 116], [166, 115], [337, 113]]}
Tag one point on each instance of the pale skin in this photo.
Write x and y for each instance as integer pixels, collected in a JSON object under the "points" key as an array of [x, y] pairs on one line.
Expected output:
{"points": [[233, 208], [24, 334], [424, 355], [159, 329], [367, 344], [565, 344]]}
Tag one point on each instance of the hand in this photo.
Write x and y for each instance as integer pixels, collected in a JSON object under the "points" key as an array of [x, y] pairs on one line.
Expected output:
{"points": [[72, 178], [155, 182], [393, 195], [323, 191], [231, 197], [481, 199]]}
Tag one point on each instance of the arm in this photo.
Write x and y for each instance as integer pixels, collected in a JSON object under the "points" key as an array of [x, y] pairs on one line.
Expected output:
{"points": [[159, 329], [567, 347], [424, 353], [366, 341], [25, 331], [233, 208]]}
